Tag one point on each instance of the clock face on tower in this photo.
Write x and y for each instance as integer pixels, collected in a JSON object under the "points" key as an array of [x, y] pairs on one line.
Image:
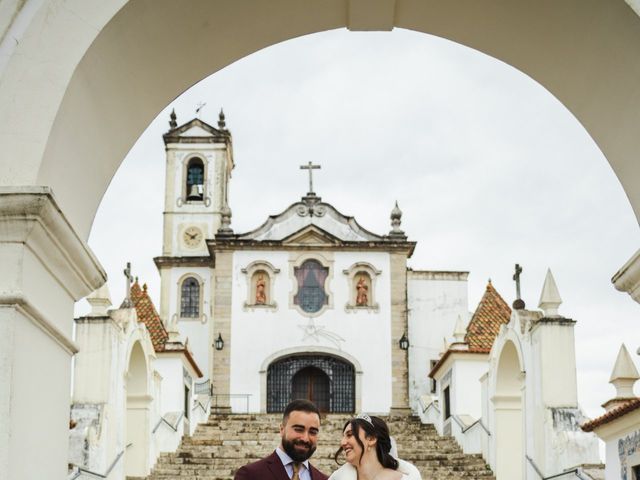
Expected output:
{"points": [[192, 237]]}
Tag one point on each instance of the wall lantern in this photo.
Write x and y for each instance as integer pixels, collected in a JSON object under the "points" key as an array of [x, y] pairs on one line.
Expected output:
{"points": [[404, 342], [219, 343]]}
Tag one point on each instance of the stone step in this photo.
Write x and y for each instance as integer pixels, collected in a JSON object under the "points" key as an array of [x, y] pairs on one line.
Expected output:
{"points": [[226, 442]]}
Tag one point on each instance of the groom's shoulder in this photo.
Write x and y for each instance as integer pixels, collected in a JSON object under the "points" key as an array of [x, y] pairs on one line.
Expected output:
{"points": [[249, 470]]}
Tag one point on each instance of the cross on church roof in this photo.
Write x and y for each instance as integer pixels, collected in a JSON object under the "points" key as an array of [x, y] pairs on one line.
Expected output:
{"points": [[518, 303], [311, 167], [127, 300]]}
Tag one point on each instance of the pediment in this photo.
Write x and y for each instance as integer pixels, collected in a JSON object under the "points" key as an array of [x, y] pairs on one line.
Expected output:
{"points": [[196, 131], [311, 235], [311, 215]]}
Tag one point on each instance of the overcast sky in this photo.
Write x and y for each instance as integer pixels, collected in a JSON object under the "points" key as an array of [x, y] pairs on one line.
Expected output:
{"points": [[488, 168]]}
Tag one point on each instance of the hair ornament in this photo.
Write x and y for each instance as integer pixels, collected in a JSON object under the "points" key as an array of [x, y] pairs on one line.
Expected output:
{"points": [[365, 417]]}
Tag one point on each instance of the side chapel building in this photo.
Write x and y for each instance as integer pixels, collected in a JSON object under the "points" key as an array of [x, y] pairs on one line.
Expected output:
{"points": [[308, 304]]}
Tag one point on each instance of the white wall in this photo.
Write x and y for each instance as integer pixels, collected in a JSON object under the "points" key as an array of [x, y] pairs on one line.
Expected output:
{"points": [[435, 299], [195, 330], [261, 333], [466, 391]]}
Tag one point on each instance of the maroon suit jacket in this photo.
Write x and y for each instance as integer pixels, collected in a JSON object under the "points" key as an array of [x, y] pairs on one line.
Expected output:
{"points": [[271, 468]]}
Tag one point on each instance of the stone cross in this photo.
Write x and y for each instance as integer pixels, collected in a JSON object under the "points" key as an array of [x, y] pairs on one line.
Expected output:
{"points": [[129, 277], [518, 303], [311, 167]]}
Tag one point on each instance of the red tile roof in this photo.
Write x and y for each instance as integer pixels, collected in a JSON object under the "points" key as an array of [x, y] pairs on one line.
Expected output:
{"points": [[611, 415], [483, 328], [491, 314], [148, 315]]}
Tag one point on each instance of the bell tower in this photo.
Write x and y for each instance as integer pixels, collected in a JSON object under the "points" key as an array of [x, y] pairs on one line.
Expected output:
{"points": [[199, 161], [198, 167]]}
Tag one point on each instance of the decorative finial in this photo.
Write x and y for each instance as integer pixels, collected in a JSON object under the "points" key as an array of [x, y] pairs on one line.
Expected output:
{"points": [[100, 301], [173, 119], [396, 221], [623, 377], [518, 303], [222, 125], [459, 331], [127, 300], [144, 286], [225, 221], [550, 297]]}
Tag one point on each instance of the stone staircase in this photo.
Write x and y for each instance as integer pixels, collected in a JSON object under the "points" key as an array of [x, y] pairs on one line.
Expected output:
{"points": [[226, 442]]}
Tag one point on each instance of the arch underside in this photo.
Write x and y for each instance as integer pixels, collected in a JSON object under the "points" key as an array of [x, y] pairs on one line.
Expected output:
{"points": [[83, 113]]}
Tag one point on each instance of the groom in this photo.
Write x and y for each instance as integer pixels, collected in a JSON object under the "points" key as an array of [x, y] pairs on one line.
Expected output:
{"points": [[299, 436]]}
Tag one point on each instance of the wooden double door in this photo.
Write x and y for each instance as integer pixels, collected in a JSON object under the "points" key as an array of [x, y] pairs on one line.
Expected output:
{"points": [[313, 384]]}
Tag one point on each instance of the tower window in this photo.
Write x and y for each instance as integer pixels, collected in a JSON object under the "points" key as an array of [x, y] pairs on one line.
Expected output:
{"points": [[190, 298], [311, 295], [195, 179]]}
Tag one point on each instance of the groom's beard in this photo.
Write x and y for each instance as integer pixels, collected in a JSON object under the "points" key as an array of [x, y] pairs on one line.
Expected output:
{"points": [[296, 449]]}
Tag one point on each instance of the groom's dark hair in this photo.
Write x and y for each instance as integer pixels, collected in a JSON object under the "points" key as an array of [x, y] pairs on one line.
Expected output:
{"points": [[299, 405]]}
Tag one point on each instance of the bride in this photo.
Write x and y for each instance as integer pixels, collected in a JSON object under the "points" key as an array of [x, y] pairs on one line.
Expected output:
{"points": [[367, 447]]}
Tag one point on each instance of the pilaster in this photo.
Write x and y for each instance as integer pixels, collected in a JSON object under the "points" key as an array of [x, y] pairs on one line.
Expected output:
{"points": [[46, 267], [221, 325], [399, 325]]}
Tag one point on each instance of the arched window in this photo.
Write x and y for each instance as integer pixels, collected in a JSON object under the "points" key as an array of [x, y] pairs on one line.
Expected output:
{"points": [[190, 298], [195, 180], [311, 295]]}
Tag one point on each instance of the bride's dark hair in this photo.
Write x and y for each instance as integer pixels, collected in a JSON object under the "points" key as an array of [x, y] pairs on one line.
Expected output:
{"points": [[377, 429]]}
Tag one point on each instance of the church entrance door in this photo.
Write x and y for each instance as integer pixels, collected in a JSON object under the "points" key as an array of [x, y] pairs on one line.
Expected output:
{"points": [[326, 380], [313, 384]]}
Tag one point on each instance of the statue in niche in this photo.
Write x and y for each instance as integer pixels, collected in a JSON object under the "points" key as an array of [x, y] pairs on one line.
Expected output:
{"points": [[362, 292], [261, 293]]}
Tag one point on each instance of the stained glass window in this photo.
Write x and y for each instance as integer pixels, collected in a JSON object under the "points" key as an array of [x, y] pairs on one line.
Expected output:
{"points": [[311, 295], [190, 298]]}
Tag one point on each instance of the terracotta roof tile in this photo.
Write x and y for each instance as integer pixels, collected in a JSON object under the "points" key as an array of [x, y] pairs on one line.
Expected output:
{"points": [[148, 315], [491, 314], [611, 415]]}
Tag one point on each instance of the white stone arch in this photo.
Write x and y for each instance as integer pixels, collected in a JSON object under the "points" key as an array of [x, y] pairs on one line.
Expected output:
{"points": [[508, 408], [138, 398], [55, 101], [304, 350], [48, 97]]}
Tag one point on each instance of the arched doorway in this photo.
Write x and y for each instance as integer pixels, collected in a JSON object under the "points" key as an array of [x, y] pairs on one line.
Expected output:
{"points": [[508, 415], [326, 380], [313, 384], [138, 410]]}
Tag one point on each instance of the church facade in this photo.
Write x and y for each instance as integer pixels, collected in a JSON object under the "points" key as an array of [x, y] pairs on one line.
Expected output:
{"points": [[309, 304]]}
